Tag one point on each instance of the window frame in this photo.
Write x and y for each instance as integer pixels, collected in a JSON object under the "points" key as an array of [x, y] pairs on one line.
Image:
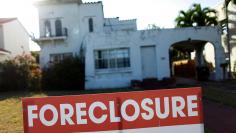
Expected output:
{"points": [[124, 57], [47, 28]]}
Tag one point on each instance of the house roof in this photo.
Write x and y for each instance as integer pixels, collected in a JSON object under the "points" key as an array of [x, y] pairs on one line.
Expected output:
{"points": [[3, 51], [6, 20], [48, 2]]}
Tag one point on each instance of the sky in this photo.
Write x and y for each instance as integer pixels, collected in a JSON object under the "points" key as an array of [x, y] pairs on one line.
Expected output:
{"points": [[159, 12]]}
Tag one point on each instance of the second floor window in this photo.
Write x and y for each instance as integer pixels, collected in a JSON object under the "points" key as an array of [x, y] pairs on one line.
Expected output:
{"points": [[90, 23], [48, 30], [58, 27]]}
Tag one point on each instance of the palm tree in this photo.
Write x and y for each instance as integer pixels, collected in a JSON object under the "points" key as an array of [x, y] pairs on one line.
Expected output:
{"points": [[196, 16], [185, 19], [204, 16]]}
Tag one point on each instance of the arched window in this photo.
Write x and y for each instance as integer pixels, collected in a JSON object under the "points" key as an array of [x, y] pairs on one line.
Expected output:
{"points": [[48, 30], [90, 22], [58, 27]]}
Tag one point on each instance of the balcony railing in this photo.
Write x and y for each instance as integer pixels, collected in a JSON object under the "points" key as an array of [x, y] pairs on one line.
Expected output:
{"points": [[59, 36]]}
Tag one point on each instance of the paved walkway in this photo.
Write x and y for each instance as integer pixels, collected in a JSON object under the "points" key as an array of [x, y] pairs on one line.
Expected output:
{"points": [[219, 118]]}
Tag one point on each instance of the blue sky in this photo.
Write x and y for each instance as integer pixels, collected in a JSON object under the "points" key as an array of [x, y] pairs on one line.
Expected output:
{"points": [[159, 12]]}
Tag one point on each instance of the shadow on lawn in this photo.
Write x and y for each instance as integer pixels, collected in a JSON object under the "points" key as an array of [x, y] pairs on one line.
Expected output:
{"points": [[24, 94], [15, 94]]}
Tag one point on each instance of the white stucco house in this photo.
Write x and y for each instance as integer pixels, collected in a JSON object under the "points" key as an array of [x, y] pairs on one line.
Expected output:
{"points": [[115, 51], [14, 39]]}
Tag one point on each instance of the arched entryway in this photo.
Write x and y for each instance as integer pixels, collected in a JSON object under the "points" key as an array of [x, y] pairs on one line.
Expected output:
{"points": [[193, 59]]}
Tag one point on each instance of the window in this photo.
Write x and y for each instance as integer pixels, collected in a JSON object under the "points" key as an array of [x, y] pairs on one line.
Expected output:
{"points": [[48, 30], [90, 22], [58, 27], [55, 58], [112, 58]]}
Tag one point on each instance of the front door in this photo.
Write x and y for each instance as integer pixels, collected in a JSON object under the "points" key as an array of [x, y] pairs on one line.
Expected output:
{"points": [[149, 62]]}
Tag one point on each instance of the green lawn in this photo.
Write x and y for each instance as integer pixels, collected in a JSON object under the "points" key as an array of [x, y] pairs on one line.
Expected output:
{"points": [[11, 112], [11, 109]]}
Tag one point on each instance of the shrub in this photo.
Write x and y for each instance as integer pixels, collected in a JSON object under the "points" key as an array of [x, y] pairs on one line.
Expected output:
{"points": [[20, 73], [65, 75]]}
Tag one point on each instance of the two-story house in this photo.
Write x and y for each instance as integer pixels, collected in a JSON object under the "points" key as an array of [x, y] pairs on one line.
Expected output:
{"points": [[115, 51], [65, 23], [14, 39]]}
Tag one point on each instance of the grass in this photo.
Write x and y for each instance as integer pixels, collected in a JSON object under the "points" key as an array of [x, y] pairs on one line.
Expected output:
{"points": [[11, 113], [10, 116], [11, 119], [11, 108]]}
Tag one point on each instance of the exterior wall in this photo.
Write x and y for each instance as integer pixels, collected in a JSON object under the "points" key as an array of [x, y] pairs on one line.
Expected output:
{"points": [[52, 12], [94, 11], [162, 39], [114, 24], [232, 30], [1, 37], [2, 55], [76, 23], [16, 38]]}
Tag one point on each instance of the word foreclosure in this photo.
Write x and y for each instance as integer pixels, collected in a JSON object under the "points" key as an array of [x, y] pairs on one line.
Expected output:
{"points": [[114, 111]]}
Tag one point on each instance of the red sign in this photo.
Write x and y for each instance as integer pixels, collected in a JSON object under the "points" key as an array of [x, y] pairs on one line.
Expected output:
{"points": [[114, 111]]}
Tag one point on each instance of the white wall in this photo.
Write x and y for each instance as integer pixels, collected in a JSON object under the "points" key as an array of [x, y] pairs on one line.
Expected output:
{"points": [[76, 23], [1, 37], [162, 39], [114, 24], [2, 55], [94, 11], [52, 12], [232, 29], [16, 38]]}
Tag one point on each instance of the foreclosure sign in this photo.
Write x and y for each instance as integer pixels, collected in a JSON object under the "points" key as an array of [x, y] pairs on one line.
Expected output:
{"points": [[164, 111]]}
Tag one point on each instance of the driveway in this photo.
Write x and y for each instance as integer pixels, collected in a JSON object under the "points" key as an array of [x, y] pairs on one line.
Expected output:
{"points": [[219, 118]]}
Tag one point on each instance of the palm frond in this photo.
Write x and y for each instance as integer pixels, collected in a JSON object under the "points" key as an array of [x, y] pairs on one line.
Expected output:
{"points": [[196, 15]]}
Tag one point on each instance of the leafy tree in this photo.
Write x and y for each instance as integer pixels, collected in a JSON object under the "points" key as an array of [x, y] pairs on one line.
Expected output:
{"points": [[196, 16], [35, 54], [20, 73]]}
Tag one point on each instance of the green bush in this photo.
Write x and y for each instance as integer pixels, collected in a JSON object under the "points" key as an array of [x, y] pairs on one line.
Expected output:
{"points": [[20, 73], [65, 75]]}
